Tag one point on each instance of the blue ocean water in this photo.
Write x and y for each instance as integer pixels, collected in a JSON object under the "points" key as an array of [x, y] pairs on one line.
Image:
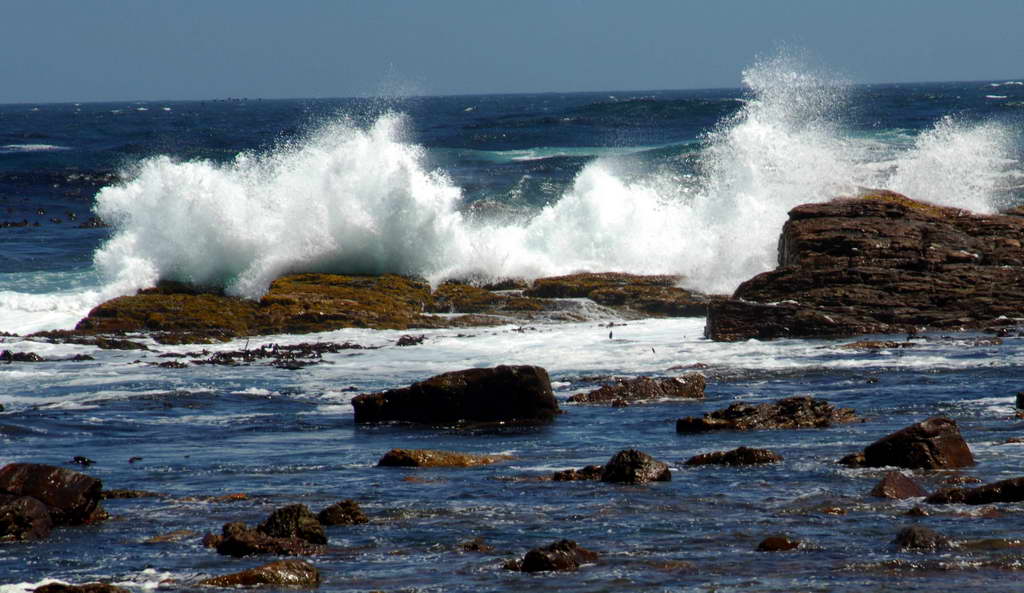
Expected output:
{"points": [[236, 192]]}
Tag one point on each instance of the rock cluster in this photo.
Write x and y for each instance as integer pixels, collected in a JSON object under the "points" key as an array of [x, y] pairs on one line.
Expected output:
{"points": [[791, 412], [879, 263]]}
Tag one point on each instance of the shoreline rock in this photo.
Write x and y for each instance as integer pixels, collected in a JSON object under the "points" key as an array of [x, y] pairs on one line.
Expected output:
{"points": [[879, 263]]}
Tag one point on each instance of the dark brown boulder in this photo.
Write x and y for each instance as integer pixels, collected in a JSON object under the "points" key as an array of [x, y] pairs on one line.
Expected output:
{"points": [[689, 386], [239, 540], [1011, 490], [897, 486], [434, 458], [879, 263], [73, 498], [23, 518], [933, 444], [921, 538], [504, 394], [739, 456], [791, 412], [345, 512], [635, 467], [777, 543], [294, 520], [291, 573], [85, 588], [562, 555]]}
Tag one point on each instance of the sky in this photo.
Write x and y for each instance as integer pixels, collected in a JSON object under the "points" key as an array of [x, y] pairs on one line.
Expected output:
{"points": [[103, 50]]}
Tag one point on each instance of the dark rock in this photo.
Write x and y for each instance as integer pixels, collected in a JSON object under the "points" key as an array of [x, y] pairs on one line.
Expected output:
{"points": [[23, 518], [477, 545], [853, 460], [933, 444], [72, 498], [9, 357], [641, 295], [590, 472], [1011, 490], [81, 460], [897, 486], [239, 540], [921, 538], [432, 458], [410, 340], [777, 543], [879, 263], [791, 412], [1020, 400], [740, 456], [345, 512], [690, 386], [86, 588], [294, 521], [635, 467], [562, 555], [504, 394], [291, 572], [125, 493]]}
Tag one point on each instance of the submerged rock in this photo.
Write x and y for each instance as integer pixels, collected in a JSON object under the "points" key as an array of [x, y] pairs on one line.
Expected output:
{"points": [[590, 472], [791, 412], [932, 444], [778, 543], [739, 456], [879, 263], [432, 458], [291, 572], [896, 486], [689, 386], [1011, 490], [504, 394], [563, 555]]}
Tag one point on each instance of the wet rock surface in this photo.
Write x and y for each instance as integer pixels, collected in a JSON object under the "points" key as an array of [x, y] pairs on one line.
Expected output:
{"points": [[294, 521], [879, 263], [239, 540], [791, 412], [291, 572], [777, 543], [896, 486], [503, 394], [23, 518], [85, 588], [738, 456], [1011, 490], [635, 467], [72, 498], [935, 443], [921, 539], [345, 512], [563, 555], [434, 458], [689, 386]]}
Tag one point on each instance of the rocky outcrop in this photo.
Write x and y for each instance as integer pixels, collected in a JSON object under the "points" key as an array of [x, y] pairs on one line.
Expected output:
{"points": [[689, 386], [345, 512], [433, 458], [896, 486], [879, 263], [70, 497], [635, 467], [791, 412], [739, 456], [933, 444], [296, 521], [563, 555], [644, 296], [503, 394], [1011, 490], [291, 573]]}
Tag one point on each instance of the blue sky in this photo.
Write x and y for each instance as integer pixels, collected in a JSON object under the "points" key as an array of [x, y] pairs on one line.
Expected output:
{"points": [[65, 50]]}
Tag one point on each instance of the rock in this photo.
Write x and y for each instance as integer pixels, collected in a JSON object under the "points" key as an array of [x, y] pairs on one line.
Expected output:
{"points": [[689, 386], [740, 456], [504, 394], [291, 573], [23, 518], [345, 512], [921, 538], [879, 263], [86, 588], [432, 458], [294, 520], [635, 467], [777, 543], [1020, 400], [1011, 490], [239, 540], [478, 545], [897, 486], [640, 295], [71, 497], [9, 357], [590, 472], [562, 555], [933, 444], [791, 412]]}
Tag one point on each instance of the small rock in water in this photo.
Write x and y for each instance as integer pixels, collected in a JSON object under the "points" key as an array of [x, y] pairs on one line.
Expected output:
{"points": [[291, 573], [739, 456], [345, 512], [563, 555], [897, 486], [921, 538], [635, 467], [80, 460], [777, 543]]}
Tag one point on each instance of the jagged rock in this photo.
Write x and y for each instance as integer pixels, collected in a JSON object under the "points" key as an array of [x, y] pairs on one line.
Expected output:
{"points": [[85, 588], [563, 555], [921, 538], [791, 412], [933, 444], [504, 394], [897, 486], [291, 572], [689, 386], [72, 498], [777, 543], [432, 458], [1011, 490], [879, 263], [345, 512], [635, 467], [239, 540], [294, 520], [739, 456], [23, 518]]}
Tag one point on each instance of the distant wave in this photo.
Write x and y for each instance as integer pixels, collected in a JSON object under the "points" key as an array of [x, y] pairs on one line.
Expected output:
{"points": [[14, 148]]}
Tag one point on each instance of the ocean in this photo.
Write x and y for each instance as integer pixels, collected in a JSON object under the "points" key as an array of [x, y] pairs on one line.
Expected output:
{"points": [[99, 200]]}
